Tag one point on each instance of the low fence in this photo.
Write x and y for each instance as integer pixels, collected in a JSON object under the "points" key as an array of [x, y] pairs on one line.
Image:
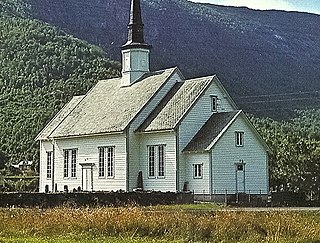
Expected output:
{"points": [[251, 198], [93, 199], [259, 199]]}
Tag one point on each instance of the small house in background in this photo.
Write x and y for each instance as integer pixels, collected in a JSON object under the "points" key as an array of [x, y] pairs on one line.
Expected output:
{"points": [[24, 165], [171, 133]]}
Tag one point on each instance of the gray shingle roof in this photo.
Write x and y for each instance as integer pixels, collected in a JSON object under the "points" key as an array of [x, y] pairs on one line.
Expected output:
{"points": [[211, 131], [59, 117], [175, 105], [108, 107]]}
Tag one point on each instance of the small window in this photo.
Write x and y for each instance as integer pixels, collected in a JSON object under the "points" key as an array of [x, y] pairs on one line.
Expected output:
{"points": [[214, 103], [49, 165], [197, 171], [240, 167], [239, 139]]}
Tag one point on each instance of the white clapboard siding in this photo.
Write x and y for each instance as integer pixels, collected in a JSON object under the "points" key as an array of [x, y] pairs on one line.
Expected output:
{"points": [[197, 185], [134, 139], [45, 146], [168, 183], [201, 112], [225, 154], [198, 116], [87, 152]]}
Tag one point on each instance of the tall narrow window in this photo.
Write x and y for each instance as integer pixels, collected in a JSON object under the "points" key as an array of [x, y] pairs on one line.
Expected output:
{"points": [[160, 160], [110, 161], [106, 161], [197, 171], [73, 163], [70, 160], [239, 139], [102, 167], [66, 163], [151, 157], [49, 165], [156, 161]]}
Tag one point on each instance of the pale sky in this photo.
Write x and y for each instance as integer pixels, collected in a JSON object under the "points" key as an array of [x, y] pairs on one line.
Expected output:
{"points": [[310, 6]]}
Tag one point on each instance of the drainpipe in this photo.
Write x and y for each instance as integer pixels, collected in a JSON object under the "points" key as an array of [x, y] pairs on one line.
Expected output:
{"points": [[52, 166], [210, 173], [177, 161], [127, 159]]}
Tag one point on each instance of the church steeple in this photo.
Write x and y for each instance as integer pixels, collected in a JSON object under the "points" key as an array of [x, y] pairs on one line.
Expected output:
{"points": [[135, 52]]}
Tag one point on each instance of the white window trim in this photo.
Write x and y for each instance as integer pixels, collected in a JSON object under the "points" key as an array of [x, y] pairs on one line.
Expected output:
{"points": [[101, 162], [49, 164], [110, 174], [214, 103], [239, 138], [110, 165], [156, 162], [68, 168], [195, 172]]}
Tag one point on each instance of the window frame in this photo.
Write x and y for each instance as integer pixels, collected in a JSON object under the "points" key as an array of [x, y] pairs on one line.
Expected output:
{"points": [[70, 157], [106, 162], [49, 164], [65, 163], [197, 171], [161, 161], [239, 138], [156, 160], [214, 103], [240, 166], [101, 162], [151, 162], [110, 161], [73, 163]]}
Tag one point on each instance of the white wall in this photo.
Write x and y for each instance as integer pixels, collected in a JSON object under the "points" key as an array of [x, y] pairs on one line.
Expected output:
{"points": [[196, 118], [168, 183], [87, 153], [198, 185], [225, 154], [135, 158], [45, 146]]}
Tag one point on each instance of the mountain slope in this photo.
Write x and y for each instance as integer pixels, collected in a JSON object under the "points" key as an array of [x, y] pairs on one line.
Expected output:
{"points": [[41, 68], [275, 54]]}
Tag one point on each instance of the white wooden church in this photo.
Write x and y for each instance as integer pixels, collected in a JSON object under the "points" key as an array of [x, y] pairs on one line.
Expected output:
{"points": [[171, 133]]}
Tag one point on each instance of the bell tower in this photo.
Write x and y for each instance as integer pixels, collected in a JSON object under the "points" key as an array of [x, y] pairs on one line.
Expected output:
{"points": [[135, 52]]}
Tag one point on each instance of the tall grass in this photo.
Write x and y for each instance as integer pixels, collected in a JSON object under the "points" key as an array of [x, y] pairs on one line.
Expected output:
{"points": [[170, 224]]}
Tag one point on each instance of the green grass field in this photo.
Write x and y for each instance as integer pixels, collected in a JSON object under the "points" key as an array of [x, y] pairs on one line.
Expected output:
{"points": [[189, 223]]}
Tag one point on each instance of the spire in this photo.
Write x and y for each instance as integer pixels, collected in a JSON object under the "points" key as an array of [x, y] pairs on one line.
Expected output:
{"points": [[135, 27], [135, 53]]}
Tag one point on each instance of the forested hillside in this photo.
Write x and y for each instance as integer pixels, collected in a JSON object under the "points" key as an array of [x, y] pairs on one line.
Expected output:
{"points": [[268, 60], [41, 68], [295, 151]]}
